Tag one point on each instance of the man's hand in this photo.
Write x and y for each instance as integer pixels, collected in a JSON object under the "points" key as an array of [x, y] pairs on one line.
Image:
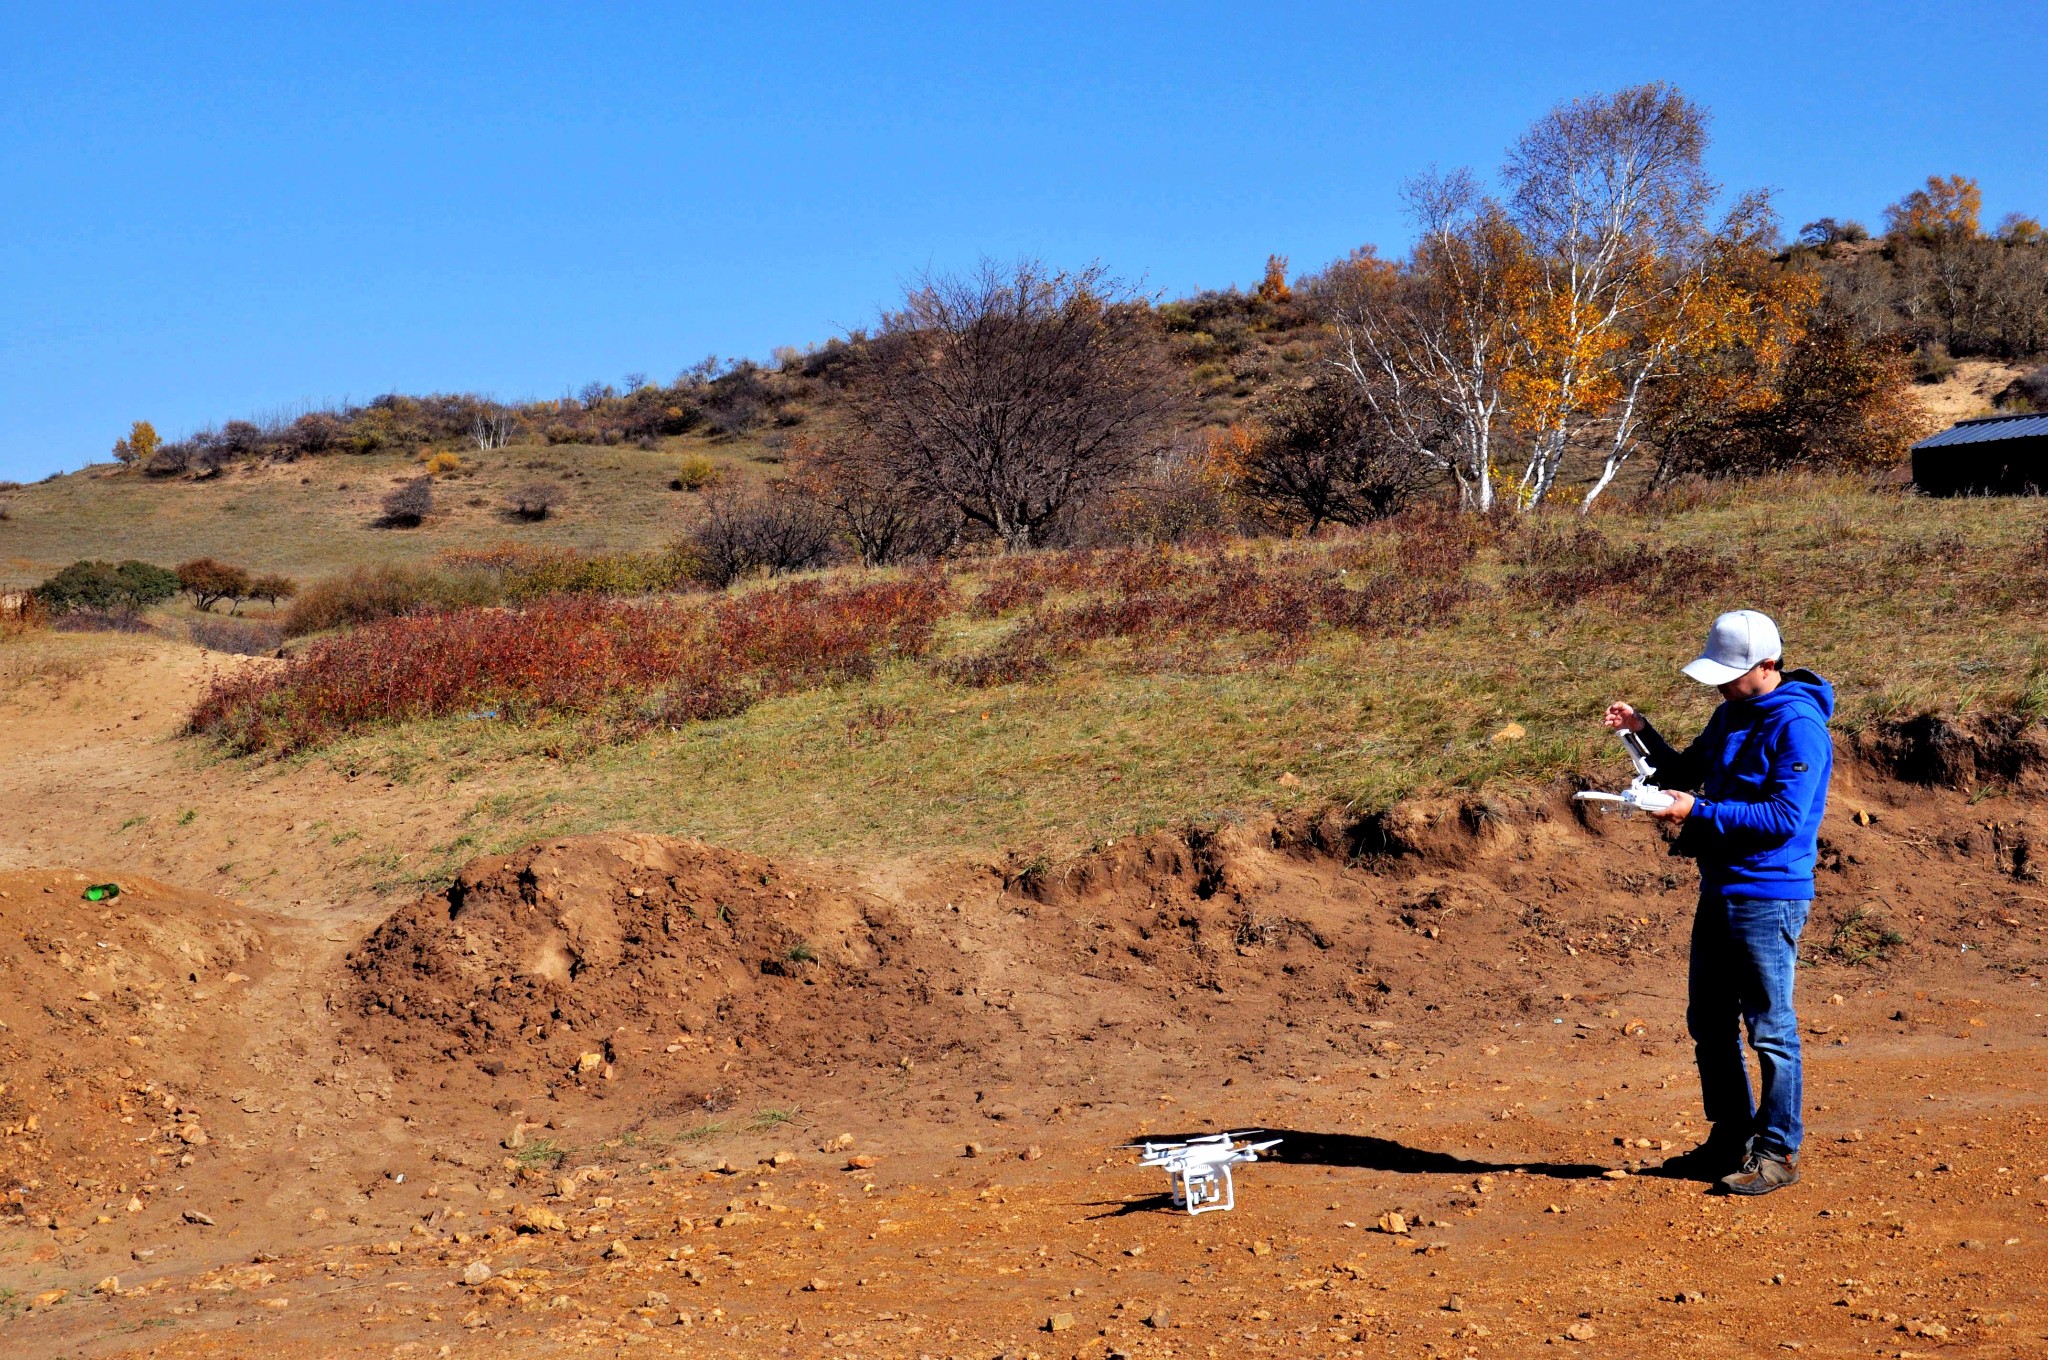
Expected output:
{"points": [[1623, 715], [1680, 809]]}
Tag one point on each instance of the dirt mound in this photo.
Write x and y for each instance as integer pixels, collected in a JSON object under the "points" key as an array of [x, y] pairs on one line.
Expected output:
{"points": [[670, 973], [111, 1014], [2008, 749], [603, 959]]}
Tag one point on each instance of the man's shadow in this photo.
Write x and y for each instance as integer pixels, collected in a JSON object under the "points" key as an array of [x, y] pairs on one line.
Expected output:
{"points": [[1302, 1147]]}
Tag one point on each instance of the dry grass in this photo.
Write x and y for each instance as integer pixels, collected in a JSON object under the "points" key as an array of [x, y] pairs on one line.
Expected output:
{"points": [[1904, 603], [317, 517]]}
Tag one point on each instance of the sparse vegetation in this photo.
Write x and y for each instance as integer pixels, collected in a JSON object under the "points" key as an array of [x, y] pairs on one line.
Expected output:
{"points": [[541, 1152], [1862, 936], [1122, 731]]}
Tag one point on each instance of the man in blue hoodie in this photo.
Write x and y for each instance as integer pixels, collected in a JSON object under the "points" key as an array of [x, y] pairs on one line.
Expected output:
{"points": [[1760, 770]]}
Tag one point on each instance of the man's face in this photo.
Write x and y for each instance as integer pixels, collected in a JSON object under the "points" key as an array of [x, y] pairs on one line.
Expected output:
{"points": [[1761, 678]]}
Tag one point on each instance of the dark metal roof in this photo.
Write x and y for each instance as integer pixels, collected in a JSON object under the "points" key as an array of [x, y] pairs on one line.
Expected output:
{"points": [[1986, 429]]}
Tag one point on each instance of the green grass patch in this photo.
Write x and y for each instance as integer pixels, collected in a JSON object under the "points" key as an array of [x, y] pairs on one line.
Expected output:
{"points": [[541, 1152], [1862, 937]]}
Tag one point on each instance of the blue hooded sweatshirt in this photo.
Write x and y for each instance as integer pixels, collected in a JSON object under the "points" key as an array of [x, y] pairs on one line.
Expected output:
{"points": [[1761, 774]]}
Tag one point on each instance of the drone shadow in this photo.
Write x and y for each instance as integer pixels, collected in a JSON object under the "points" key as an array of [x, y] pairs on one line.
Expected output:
{"points": [[1303, 1147]]}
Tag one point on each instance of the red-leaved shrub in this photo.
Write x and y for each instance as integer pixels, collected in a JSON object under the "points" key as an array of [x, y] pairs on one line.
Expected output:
{"points": [[1563, 567], [649, 663]]}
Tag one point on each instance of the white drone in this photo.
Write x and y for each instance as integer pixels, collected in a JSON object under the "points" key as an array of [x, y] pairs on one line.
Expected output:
{"points": [[1641, 794], [1198, 1169]]}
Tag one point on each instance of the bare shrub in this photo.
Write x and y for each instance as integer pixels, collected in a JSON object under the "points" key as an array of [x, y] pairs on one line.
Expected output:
{"points": [[1562, 567], [1323, 458], [238, 637], [536, 500], [771, 529], [407, 506], [887, 518]]}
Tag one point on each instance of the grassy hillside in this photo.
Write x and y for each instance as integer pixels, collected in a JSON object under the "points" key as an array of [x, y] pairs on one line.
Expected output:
{"points": [[319, 516], [1907, 604]]}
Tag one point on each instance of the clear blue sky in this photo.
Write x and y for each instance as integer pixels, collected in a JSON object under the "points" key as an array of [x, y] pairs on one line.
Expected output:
{"points": [[217, 211]]}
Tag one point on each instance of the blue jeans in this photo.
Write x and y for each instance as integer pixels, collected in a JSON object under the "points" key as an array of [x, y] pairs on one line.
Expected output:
{"points": [[1743, 955]]}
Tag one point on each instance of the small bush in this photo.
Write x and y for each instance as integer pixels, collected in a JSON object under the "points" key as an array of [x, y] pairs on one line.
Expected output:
{"points": [[535, 500], [128, 587], [2028, 392], [22, 612], [439, 464], [273, 588], [697, 472], [169, 461], [1932, 362], [408, 505]]}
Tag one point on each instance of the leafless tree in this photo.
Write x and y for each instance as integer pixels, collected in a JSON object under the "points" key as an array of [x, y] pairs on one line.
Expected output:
{"points": [[1324, 457], [1013, 394], [886, 517], [1428, 343], [492, 427]]}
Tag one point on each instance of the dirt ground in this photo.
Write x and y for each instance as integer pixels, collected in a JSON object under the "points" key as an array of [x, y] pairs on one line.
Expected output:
{"points": [[623, 1094]]}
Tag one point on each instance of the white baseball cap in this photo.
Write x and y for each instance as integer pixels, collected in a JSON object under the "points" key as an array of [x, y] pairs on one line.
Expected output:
{"points": [[1736, 643]]}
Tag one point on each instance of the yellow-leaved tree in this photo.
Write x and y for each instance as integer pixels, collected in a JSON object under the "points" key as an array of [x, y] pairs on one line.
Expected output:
{"points": [[1948, 209], [1610, 194], [1273, 287], [1714, 332], [140, 445]]}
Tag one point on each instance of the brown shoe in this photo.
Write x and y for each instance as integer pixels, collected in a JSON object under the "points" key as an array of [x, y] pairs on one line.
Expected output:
{"points": [[1761, 1173]]}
